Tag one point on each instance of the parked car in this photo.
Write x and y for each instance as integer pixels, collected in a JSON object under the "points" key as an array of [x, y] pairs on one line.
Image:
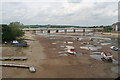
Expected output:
{"points": [[70, 50], [107, 55], [114, 48]]}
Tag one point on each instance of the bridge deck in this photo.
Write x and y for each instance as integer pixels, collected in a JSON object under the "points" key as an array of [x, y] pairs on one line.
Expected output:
{"points": [[31, 29]]}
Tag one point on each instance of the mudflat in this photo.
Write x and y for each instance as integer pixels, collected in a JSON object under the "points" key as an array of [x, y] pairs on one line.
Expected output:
{"points": [[44, 56]]}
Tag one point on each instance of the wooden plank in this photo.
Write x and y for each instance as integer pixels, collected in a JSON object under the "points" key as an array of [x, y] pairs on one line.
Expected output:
{"points": [[13, 58], [14, 65]]}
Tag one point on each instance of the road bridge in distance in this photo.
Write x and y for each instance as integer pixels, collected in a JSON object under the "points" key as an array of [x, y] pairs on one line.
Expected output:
{"points": [[65, 30]]}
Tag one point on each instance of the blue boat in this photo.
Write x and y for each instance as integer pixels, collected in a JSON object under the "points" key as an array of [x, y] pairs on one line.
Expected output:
{"points": [[23, 44]]}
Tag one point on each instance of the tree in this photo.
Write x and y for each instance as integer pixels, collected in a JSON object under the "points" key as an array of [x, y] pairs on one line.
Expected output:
{"points": [[12, 31], [6, 33], [15, 28], [107, 28]]}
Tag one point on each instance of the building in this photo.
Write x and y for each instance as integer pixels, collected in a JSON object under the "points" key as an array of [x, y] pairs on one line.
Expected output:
{"points": [[116, 26]]}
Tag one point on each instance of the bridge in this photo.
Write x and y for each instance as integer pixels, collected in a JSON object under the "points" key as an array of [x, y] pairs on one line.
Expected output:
{"points": [[48, 30]]}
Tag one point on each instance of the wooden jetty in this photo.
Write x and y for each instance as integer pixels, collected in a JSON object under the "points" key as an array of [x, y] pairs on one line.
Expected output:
{"points": [[31, 68], [14, 65], [13, 58]]}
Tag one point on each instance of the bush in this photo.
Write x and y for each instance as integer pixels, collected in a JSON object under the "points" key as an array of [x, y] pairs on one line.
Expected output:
{"points": [[11, 32]]}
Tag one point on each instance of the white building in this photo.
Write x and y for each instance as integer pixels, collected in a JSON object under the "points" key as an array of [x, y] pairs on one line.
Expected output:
{"points": [[116, 26]]}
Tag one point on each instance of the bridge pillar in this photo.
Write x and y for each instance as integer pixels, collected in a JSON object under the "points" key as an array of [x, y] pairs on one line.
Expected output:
{"points": [[48, 31], [74, 30], [41, 31], [94, 32], [34, 31], [57, 31], [83, 32], [65, 30]]}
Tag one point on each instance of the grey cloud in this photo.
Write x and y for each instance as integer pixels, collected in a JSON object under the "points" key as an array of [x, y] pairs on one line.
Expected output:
{"points": [[74, 1], [60, 13]]}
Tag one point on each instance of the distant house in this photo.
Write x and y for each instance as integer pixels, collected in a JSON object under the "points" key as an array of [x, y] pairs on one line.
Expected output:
{"points": [[116, 26]]}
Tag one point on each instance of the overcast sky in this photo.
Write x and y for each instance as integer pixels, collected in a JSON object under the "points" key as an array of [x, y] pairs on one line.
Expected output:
{"points": [[65, 12]]}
